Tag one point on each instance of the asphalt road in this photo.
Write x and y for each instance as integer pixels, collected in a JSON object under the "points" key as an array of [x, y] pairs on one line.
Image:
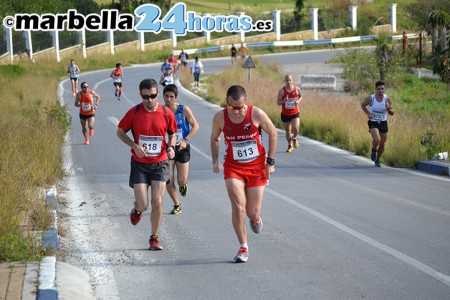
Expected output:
{"points": [[335, 226]]}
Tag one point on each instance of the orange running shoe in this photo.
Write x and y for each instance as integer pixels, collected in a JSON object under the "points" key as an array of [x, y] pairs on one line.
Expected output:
{"points": [[86, 141], [91, 132]]}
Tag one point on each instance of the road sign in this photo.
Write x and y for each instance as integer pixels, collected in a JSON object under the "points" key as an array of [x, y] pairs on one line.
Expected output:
{"points": [[249, 63]]}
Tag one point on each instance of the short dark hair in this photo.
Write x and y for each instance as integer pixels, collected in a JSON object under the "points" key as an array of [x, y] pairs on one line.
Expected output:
{"points": [[148, 84], [378, 83], [84, 82], [171, 88], [118, 65], [236, 92]]}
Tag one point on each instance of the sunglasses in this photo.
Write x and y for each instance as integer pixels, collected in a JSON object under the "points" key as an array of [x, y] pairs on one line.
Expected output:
{"points": [[235, 107], [84, 87], [147, 97]]}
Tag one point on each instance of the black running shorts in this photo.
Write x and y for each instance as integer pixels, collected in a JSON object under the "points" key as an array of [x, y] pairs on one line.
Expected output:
{"points": [[145, 173]]}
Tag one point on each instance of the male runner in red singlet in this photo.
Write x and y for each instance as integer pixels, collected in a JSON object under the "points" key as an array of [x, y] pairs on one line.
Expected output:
{"points": [[247, 167], [85, 101], [289, 98], [117, 75]]}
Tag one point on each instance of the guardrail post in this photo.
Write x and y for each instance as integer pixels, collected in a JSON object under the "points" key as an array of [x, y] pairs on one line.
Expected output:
{"points": [[9, 42], [82, 40], [55, 42], [28, 43], [314, 15], [140, 37], [207, 33], [242, 33], [173, 37], [110, 39], [353, 15], [276, 23], [393, 16]]}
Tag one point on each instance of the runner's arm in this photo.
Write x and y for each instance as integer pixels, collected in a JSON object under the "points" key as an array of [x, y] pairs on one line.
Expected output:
{"points": [[216, 130], [192, 121]]}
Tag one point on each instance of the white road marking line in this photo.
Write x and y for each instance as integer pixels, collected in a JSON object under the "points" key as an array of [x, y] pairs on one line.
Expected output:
{"points": [[403, 257]]}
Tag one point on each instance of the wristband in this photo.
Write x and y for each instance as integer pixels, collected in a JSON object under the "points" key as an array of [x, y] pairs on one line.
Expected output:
{"points": [[270, 161], [187, 141]]}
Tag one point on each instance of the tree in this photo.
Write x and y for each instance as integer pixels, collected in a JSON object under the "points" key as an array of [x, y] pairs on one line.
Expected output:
{"points": [[438, 21], [298, 16], [420, 10]]}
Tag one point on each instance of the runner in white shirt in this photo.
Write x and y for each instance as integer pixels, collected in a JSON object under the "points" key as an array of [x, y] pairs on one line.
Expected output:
{"points": [[379, 106]]}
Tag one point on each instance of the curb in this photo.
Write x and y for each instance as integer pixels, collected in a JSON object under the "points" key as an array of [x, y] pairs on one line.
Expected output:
{"points": [[433, 167], [47, 267]]}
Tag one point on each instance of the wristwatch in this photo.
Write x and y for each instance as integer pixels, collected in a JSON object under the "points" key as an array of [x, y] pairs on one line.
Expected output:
{"points": [[187, 141], [270, 161]]}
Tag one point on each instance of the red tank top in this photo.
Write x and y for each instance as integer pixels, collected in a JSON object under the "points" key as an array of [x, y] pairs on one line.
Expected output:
{"points": [[86, 104], [243, 142], [290, 108], [117, 72]]}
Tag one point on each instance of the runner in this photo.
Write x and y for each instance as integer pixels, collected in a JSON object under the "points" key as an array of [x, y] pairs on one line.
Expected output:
{"points": [[74, 73], [187, 128], [379, 106], [233, 54], [117, 75], [183, 57], [246, 167], [289, 97], [85, 101], [174, 62], [149, 123]]}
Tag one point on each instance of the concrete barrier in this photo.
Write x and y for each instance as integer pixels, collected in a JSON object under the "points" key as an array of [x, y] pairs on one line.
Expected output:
{"points": [[319, 82]]}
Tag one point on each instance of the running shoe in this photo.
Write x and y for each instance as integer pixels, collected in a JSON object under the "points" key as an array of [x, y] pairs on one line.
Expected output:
{"points": [[373, 155], [296, 144], [91, 132], [86, 141], [135, 216], [118, 98], [183, 190], [176, 210], [154, 243], [241, 256], [289, 148], [256, 225], [378, 163]]}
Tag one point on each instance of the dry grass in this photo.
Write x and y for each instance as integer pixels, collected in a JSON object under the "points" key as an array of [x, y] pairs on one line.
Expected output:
{"points": [[30, 155], [334, 118]]}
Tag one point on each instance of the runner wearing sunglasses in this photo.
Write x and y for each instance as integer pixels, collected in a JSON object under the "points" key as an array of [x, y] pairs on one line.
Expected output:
{"points": [[149, 123]]}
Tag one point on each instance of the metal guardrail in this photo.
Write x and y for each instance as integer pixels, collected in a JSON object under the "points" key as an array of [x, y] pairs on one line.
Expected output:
{"points": [[292, 43]]}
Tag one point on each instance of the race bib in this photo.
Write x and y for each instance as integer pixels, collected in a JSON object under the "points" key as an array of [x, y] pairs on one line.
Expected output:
{"points": [[118, 79], [86, 106], [245, 151], [151, 144], [290, 104], [179, 136], [377, 116]]}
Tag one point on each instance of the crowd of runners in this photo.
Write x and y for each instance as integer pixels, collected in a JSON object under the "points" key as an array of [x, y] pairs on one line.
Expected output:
{"points": [[159, 136]]}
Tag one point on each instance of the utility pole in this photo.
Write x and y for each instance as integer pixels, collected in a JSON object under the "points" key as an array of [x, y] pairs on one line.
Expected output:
{"points": [[419, 59]]}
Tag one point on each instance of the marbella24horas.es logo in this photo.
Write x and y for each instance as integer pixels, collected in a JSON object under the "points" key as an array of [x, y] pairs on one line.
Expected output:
{"points": [[148, 19]]}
